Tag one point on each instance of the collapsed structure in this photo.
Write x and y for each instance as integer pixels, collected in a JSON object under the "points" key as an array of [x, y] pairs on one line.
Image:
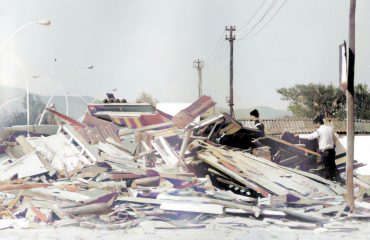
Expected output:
{"points": [[117, 171]]}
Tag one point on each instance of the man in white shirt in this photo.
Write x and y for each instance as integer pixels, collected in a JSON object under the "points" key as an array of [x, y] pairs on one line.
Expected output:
{"points": [[326, 137]]}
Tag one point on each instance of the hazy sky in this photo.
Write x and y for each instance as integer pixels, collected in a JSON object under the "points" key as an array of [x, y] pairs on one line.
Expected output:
{"points": [[147, 45]]}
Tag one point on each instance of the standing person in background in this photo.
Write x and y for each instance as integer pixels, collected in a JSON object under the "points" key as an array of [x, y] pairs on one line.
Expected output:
{"points": [[258, 124], [326, 137]]}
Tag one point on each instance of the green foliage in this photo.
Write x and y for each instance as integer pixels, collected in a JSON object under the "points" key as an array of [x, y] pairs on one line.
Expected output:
{"points": [[312, 99], [17, 118], [362, 102], [36, 108]]}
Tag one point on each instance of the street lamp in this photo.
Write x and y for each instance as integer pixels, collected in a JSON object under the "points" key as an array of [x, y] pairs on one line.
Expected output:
{"points": [[24, 71], [43, 22], [65, 83], [10, 101], [58, 87], [66, 94], [78, 96], [76, 70]]}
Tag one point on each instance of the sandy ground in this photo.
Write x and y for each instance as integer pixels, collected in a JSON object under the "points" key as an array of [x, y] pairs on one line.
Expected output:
{"points": [[226, 229]]}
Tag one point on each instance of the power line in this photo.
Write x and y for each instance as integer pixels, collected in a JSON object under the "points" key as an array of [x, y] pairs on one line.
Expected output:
{"points": [[266, 13], [215, 57], [220, 50], [220, 42], [218, 57], [253, 17], [267, 23], [268, 10], [222, 56]]}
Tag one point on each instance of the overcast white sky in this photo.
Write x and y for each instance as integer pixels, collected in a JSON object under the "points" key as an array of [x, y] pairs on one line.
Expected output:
{"points": [[146, 45]]}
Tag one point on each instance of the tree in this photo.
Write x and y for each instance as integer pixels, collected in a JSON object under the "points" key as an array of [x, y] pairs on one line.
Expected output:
{"points": [[362, 102], [146, 98], [4, 118], [312, 99], [20, 117]]}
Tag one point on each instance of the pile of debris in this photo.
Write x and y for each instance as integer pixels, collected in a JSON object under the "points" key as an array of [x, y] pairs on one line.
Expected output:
{"points": [[96, 174]]}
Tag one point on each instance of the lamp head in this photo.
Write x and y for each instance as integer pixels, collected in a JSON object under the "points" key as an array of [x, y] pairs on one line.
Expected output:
{"points": [[44, 22]]}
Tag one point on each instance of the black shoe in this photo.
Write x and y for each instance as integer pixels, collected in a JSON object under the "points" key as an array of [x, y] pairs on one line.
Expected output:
{"points": [[340, 181]]}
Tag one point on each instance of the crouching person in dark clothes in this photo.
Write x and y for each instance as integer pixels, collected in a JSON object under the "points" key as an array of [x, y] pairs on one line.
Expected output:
{"points": [[326, 138], [257, 122]]}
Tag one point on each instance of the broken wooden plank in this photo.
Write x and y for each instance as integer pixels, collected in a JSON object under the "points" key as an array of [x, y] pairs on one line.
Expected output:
{"points": [[125, 132], [304, 217], [61, 194], [27, 148], [89, 149], [58, 150], [28, 165], [197, 108], [211, 160], [263, 173], [303, 149], [66, 119], [167, 153], [89, 209], [118, 145], [8, 186], [37, 129], [193, 207]]}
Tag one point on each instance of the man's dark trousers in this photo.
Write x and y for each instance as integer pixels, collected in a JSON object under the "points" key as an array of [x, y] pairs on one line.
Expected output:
{"points": [[328, 159]]}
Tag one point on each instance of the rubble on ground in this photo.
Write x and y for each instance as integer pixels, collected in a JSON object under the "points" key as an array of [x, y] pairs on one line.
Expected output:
{"points": [[96, 174]]}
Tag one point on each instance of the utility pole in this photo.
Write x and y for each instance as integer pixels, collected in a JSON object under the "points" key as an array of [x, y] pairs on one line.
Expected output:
{"points": [[350, 109], [231, 39], [199, 65]]}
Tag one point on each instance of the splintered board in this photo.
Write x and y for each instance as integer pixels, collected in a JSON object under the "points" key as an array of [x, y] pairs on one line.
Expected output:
{"points": [[262, 175]]}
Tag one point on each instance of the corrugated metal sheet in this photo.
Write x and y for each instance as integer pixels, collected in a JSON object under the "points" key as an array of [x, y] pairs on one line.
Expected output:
{"points": [[197, 108], [129, 122], [152, 119], [138, 122], [279, 126]]}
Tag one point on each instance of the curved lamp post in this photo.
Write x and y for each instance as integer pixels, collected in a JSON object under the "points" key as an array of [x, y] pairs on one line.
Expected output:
{"points": [[43, 22], [10, 101], [89, 67], [49, 101], [68, 94], [79, 96], [66, 82], [25, 75]]}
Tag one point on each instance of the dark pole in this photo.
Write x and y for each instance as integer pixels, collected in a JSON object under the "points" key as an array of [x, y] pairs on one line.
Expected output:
{"points": [[231, 39], [350, 109]]}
